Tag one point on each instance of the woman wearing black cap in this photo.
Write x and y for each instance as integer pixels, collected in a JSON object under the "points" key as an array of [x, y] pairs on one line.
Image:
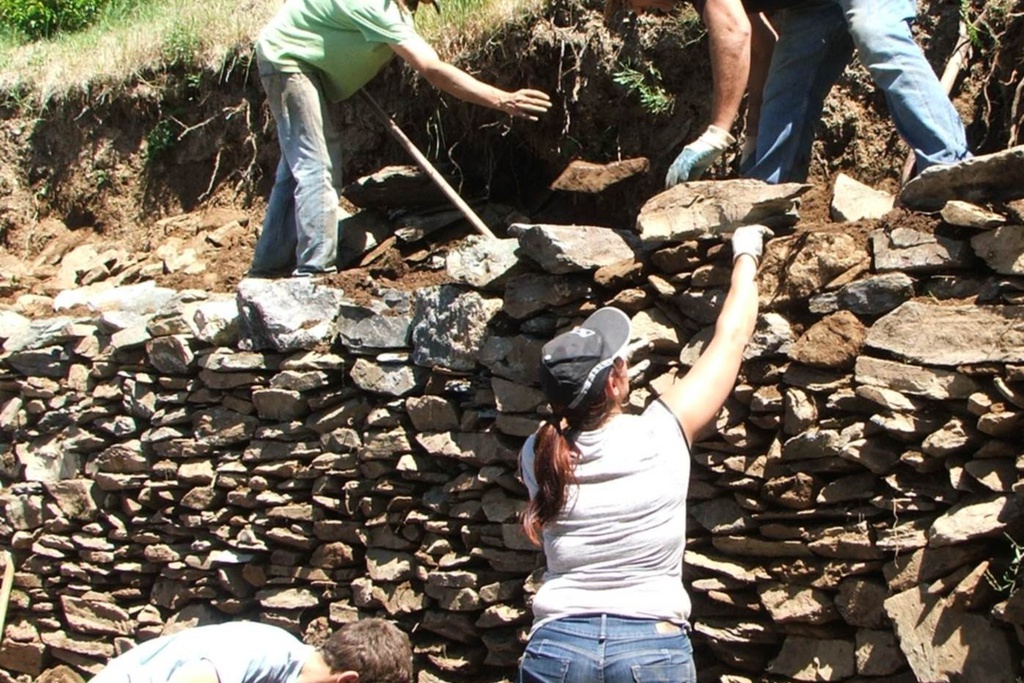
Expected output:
{"points": [[608, 496]]}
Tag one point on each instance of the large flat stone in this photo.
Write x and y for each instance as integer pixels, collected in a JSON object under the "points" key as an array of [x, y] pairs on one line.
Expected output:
{"points": [[708, 207], [991, 176], [946, 645], [951, 335]]}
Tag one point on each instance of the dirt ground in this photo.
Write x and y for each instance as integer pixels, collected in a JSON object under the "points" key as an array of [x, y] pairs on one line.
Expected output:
{"points": [[148, 171]]}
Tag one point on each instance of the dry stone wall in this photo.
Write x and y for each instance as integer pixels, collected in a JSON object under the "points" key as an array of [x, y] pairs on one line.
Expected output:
{"points": [[292, 455]]}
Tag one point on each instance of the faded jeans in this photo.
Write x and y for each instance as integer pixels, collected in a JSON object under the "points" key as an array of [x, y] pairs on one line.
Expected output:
{"points": [[605, 648], [816, 42], [300, 228]]}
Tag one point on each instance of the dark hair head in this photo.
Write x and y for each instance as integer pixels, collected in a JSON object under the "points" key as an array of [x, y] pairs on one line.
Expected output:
{"points": [[376, 649], [554, 453]]}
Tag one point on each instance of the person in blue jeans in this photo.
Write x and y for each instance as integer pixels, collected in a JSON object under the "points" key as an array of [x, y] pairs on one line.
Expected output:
{"points": [[816, 41], [310, 55], [608, 496]]}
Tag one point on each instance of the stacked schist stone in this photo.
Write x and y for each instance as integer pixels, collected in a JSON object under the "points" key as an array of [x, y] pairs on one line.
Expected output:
{"points": [[295, 456]]}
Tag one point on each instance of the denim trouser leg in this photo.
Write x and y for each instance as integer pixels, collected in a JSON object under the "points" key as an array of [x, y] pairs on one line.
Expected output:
{"points": [[920, 108], [609, 649], [275, 249], [813, 49], [303, 208]]}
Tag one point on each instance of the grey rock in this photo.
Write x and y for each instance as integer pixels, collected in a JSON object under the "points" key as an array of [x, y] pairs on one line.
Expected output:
{"points": [[561, 249], [702, 208], [12, 324], [967, 215], [978, 179], [854, 201], [1002, 249], [95, 616], [384, 324], [286, 315], [392, 379], [481, 262], [138, 299], [449, 325], [878, 653], [171, 355], [945, 645], [876, 294], [951, 335], [976, 519], [799, 604], [514, 358], [214, 321], [918, 252], [431, 414], [39, 334], [47, 460], [932, 383], [50, 361], [811, 659], [532, 293]]}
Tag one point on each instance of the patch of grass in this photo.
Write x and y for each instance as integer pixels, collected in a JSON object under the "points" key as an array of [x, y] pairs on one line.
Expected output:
{"points": [[129, 39], [1012, 578]]}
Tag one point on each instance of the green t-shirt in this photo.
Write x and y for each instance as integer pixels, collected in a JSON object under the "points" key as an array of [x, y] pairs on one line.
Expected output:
{"points": [[347, 41]]}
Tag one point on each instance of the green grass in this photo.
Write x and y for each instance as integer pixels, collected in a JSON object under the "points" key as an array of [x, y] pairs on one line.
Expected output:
{"points": [[137, 38]]}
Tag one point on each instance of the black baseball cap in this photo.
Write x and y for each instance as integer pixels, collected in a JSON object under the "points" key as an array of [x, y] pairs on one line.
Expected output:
{"points": [[575, 362]]}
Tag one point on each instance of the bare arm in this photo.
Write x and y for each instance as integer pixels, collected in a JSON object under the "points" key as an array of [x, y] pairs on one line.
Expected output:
{"points": [[697, 398], [421, 56], [762, 44], [729, 44]]}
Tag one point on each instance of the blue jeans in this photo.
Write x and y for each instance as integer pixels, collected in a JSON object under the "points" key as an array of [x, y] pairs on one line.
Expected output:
{"points": [[300, 228], [816, 42], [609, 649]]}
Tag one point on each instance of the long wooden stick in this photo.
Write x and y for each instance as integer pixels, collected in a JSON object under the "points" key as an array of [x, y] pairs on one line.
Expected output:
{"points": [[427, 167], [5, 591]]}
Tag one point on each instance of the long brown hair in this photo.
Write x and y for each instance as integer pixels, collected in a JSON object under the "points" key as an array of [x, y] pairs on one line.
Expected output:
{"points": [[554, 454]]}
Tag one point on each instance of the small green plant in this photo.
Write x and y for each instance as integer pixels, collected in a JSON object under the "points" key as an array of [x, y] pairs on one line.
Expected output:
{"points": [[647, 85], [1012, 578], [181, 44], [160, 140], [41, 19]]}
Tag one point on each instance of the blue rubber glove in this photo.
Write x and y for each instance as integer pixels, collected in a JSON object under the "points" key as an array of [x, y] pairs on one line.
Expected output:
{"points": [[697, 156]]}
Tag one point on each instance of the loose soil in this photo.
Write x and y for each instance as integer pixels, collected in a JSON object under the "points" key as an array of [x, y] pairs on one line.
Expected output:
{"points": [[169, 161]]}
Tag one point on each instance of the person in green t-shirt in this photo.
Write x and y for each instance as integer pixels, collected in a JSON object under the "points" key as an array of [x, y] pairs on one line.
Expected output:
{"points": [[316, 52]]}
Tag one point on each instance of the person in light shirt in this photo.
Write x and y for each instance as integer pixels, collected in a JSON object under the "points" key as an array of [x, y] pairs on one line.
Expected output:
{"points": [[608, 495], [312, 54]]}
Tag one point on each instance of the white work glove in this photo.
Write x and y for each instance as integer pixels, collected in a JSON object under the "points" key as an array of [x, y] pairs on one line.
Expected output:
{"points": [[697, 156], [749, 239]]}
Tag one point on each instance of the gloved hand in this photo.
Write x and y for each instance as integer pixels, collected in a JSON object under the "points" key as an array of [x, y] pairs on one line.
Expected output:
{"points": [[749, 239], [697, 156]]}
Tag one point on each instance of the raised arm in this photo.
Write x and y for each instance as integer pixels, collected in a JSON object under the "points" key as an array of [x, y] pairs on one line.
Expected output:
{"points": [[451, 79], [697, 398]]}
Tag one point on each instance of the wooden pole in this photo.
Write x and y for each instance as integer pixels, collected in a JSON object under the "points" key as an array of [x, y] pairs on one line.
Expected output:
{"points": [[427, 167], [5, 591]]}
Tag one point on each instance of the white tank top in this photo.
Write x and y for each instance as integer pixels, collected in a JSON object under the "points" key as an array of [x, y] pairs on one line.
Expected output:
{"points": [[617, 548]]}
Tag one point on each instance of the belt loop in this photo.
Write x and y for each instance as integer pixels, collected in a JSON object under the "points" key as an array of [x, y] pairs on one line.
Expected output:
{"points": [[604, 627]]}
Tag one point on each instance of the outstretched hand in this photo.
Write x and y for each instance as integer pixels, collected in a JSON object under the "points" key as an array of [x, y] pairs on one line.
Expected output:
{"points": [[698, 156], [749, 239], [527, 103]]}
